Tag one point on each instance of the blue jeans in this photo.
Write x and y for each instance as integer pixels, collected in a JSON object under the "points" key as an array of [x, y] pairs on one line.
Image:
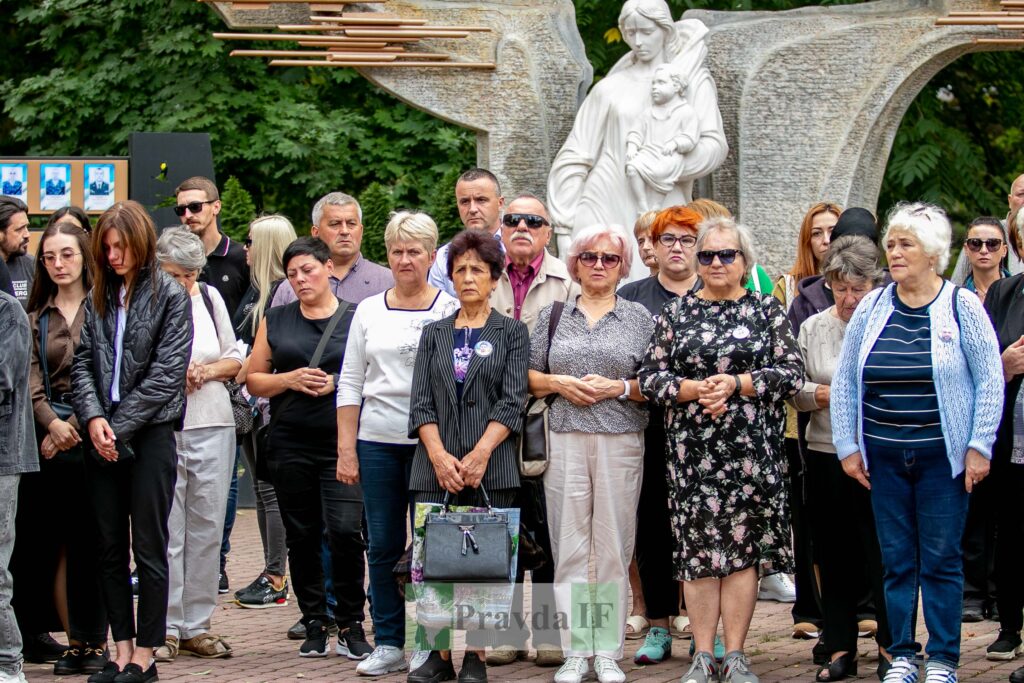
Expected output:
{"points": [[229, 514], [384, 471], [920, 513]]}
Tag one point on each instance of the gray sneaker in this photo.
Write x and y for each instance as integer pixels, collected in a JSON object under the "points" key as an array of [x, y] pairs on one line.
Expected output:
{"points": [[736, 669], [702, 670]]}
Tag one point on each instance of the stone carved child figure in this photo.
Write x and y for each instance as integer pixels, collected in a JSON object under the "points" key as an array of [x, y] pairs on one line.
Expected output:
{"points": [[655, 147]]}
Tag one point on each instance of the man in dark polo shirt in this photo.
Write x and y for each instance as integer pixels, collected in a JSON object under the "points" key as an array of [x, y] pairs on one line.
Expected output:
{"points": [[198, 203], [20, 267]]}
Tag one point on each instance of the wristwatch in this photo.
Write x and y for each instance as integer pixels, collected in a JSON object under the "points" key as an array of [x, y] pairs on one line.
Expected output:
{"points": [[625, 393]]}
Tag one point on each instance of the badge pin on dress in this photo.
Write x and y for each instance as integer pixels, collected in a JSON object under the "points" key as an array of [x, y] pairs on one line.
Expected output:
{"points": [[483, 348], [946, 335], [741, 332]]}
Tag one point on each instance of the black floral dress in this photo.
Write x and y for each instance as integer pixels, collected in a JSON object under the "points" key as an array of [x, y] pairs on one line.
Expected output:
{"points": [[726, 476]]}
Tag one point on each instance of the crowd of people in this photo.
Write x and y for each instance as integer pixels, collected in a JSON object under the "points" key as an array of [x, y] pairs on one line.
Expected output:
{"points": [[860, 428]]}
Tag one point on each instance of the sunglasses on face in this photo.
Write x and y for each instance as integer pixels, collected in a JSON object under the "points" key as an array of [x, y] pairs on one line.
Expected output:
{"points": [[533, 221], [248, 242], [669, 240], [590, 259], [975, 243], [725, 256], [193, 207]]}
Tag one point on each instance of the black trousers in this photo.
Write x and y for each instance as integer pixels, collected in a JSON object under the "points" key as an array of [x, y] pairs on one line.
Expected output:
{"points": [[807, 606], [55, 516], [846, 549], [303, 469], [132, 501], [1009, 488], [979, 546], [654, 539]]}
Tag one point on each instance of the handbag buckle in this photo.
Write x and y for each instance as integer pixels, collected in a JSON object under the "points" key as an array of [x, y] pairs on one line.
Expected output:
{"points": [[468, 539]]}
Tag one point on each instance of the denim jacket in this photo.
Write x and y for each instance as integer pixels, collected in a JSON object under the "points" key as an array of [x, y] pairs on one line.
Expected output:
{"points": [[18, 452]]}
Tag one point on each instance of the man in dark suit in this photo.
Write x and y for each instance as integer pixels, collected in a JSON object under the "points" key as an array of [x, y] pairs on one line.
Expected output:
{"points": [[98, 184]]}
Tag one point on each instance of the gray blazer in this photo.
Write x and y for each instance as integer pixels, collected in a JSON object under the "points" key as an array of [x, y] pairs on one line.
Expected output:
{"points": [[494, 390]]}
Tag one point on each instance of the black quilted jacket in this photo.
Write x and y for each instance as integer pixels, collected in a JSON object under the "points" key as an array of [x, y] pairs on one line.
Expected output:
{"points": [[157, 345]]}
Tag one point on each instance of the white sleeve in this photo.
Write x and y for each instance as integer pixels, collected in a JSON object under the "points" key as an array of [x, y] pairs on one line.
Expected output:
{"points": [[353, 366], [225, 332]]}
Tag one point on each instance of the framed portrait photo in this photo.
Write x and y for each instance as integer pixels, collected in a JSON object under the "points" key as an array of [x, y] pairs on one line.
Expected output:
{"points": [[99, 181], [54, 186], [14, 181]]}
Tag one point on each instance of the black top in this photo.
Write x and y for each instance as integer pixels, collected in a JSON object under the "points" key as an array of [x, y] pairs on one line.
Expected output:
{"points": [[22, 271], [227, 272], [5, 279], [463, 350], [241, 320], [651, 294], [1005, 305], [293, 339]]}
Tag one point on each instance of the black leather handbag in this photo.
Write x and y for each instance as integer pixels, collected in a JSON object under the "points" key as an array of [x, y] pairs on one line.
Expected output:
{"points": [[533, 451], [64, 411], [467, 547]]}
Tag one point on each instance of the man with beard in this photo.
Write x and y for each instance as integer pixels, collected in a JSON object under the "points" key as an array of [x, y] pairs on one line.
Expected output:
{"points": [[14, 246], [478, 196], [226, 269], [532, 279]]}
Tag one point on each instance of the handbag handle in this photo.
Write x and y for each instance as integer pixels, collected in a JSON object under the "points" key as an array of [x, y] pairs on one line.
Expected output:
{"points": [[481, 490], [44, 328]]}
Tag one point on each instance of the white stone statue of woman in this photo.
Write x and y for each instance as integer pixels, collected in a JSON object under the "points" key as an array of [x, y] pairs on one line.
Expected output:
{"points": [[587, 184]]}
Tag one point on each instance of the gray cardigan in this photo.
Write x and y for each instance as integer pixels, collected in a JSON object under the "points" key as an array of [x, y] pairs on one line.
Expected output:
{"points": [[18, 453]]}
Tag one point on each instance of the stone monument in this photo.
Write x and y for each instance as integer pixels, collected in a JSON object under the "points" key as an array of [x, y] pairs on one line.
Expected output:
{"points": [[606, 172]]}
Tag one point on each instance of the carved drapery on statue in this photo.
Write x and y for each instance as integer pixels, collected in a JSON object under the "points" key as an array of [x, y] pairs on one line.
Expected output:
{"points": [[588, 184]]}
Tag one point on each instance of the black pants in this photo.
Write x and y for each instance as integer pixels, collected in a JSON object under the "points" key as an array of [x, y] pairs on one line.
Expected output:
{"points": [[303, 468], [654, 539], [846, 549], [807, 606], [132, 501], [979, 546], [55, 515], [1009, 488]]}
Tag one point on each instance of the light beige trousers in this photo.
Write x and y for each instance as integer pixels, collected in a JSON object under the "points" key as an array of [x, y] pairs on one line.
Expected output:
{"points": [[592, 486]]}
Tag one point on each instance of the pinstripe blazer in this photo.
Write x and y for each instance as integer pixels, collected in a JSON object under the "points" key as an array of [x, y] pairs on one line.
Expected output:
{"points": [[494, 390]]}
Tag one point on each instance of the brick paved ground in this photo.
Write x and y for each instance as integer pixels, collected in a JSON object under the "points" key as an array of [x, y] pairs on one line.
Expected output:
{"points": [[263, 654]]}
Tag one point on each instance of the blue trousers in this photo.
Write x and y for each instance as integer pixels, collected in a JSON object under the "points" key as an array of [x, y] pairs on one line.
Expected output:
{"points": [[384, 471], [920, 513]]}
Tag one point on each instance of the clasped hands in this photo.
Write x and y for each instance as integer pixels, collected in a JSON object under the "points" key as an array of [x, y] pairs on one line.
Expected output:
{"points": [[61, 437], [587, 390], [714, 391], [454, 474], [311, 381]]}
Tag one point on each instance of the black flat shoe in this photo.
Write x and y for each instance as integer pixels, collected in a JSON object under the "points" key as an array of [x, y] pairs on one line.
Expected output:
{"points": [[70, 661], [94, 658], [41, 649], [474, 669], [133, 673], [434, 670], [839, 669], [107, 674], [1017, 676]]}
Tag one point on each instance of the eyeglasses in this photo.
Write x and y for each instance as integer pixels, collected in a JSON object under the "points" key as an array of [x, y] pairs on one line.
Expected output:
{"points": [[590, 259], [669, 240], [533, 221], [49, 258], [725, 256], [194, 207], [975, 243]]}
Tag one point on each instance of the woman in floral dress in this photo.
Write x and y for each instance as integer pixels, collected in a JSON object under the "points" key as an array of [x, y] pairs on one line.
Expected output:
{"points": [[721, 362]]}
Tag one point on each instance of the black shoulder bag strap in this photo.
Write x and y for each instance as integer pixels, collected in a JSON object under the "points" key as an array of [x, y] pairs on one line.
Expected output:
{"points": [[956, 304], [208, 302], [317, 355], [44, 327], [556, 315]]}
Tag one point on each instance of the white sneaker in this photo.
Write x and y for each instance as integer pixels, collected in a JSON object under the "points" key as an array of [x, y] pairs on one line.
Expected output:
{"points": [[903, 670], [13, 678], [608, 670], [384, 659], [417, 659], [573, 671], [778, 587]]}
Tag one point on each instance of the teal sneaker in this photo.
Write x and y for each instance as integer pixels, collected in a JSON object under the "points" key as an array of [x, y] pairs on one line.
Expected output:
{"points": [[719, 649], [657, 647]]}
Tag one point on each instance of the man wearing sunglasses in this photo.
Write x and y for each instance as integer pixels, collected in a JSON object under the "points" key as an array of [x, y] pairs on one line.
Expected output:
{"points": [[198, 204], [532, 279], [478, 196]]}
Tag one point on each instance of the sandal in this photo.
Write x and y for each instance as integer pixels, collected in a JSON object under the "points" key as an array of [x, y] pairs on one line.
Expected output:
{"points": [[637, 627], [168, 651], [681, 628], [839, 669], [206, 646]]}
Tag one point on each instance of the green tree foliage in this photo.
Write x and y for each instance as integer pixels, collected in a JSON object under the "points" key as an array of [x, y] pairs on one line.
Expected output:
{"points": [[237, 210], [377, 204], [440, 204]]}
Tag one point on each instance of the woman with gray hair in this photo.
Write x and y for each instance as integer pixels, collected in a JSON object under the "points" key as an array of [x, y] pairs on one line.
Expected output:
{"points": [[206, 454], [843, 526], [374, 391], [918, 393], [722, 361]]}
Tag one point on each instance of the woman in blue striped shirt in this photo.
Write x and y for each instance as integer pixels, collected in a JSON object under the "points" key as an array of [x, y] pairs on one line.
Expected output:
{"points": [[918, 394]]}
